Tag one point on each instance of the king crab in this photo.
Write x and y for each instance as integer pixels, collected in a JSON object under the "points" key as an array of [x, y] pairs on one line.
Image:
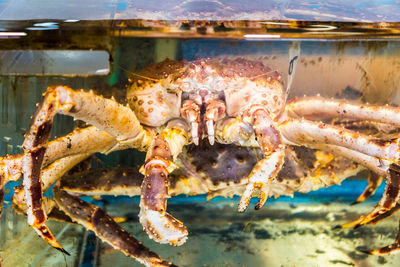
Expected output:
{"points": [[174, 104]]}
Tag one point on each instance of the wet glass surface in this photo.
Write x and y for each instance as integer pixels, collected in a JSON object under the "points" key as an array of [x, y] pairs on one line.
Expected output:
{"points": [[339, 49], [350, 11]]}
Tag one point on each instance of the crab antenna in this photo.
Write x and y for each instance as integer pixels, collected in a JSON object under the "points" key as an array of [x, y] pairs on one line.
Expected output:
{"points": [[260, 75], [145, 77], [138, 75]]}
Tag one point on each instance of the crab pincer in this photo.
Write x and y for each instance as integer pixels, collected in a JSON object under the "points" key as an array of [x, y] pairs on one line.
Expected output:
{"points": [[159, 224], [273, 149]]}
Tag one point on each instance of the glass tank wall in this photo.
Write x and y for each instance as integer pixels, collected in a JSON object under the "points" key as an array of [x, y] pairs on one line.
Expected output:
{"points": [[355, 62]]}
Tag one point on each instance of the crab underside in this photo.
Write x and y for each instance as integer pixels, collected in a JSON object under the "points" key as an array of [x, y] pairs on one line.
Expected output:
{"points": [[212, 126]]}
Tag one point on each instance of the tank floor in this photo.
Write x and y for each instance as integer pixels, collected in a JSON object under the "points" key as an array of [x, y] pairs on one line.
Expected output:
{"points": [[280, 234]]}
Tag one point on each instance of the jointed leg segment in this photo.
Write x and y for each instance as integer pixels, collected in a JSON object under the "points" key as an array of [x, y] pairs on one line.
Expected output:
{"points": [[387, 152], [258, 121], [105, 114], [374, 181], [316, 108], [304, 132], [116, 127], [85, 140], [159, 224], [388, 201], [95, 219]]}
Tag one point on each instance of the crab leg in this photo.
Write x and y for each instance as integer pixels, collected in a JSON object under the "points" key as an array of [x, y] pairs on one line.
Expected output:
{"points": [[386, 214], [95, 219], [308, 132], [390, 249], [86, 140], [126, 181], [160, 225], [316, 108], [96, 182], [374, 181], [241, 131], [34, 149], [67, 208], [367, 126], [73, 207], [388, 201], [107, 115], [378, 166], [2, 183], [67, 147], [50, 175], [273, 149]]}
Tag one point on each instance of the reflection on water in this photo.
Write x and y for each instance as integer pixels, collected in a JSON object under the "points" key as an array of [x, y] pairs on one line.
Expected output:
{"points": [[328, 10]]}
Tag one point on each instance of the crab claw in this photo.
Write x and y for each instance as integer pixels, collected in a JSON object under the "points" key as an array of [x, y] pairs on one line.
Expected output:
{"points": [[271, 144], [159, 225], [162, 227], [265, 168]]}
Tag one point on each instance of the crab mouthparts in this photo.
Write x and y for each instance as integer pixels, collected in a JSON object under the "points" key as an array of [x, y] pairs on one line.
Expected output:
{"points": [[201, 111], [210, 131]]}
